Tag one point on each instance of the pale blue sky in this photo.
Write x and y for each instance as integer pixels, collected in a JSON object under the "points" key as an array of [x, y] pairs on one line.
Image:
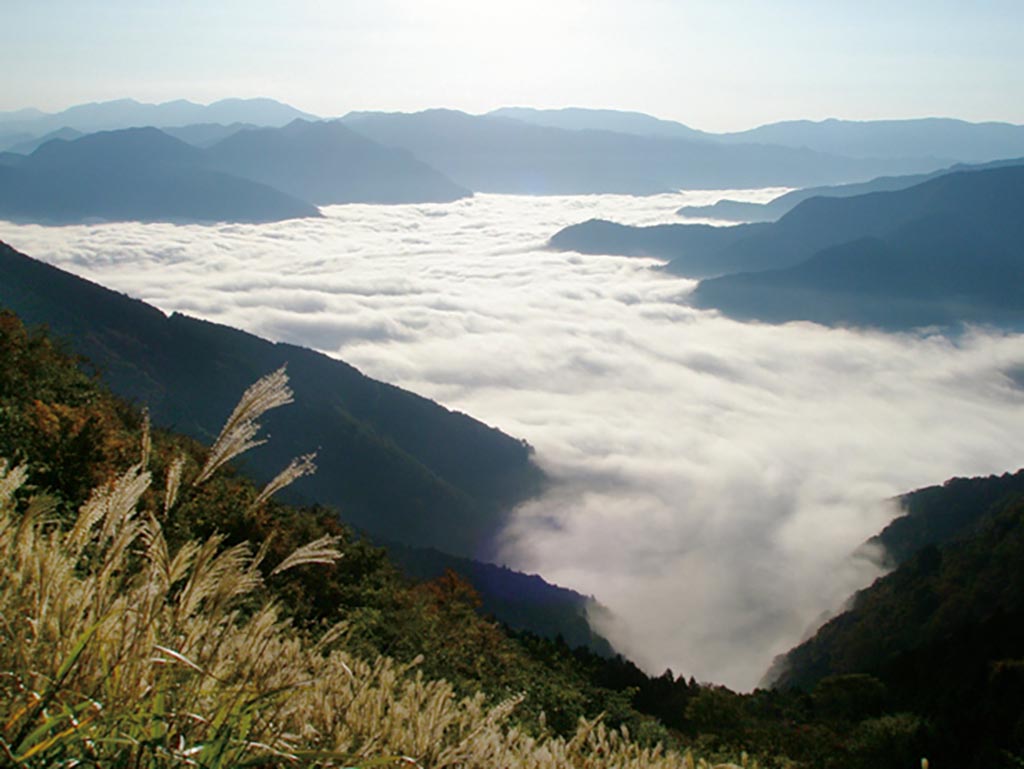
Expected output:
{"points": [[713, 64]]}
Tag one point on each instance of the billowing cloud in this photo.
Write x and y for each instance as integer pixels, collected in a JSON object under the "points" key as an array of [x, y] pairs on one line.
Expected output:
{"points": [[713, 477]]}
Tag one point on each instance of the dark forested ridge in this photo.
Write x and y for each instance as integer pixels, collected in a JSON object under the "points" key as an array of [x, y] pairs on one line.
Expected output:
{"points": [[395, 464], [944, 632], [945, 252]]}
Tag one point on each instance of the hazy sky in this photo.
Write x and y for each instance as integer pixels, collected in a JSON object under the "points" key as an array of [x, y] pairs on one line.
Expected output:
{"points": [[713, 64]]}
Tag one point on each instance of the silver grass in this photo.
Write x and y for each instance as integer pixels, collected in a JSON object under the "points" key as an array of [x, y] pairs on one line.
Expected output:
{"points": [[11, 479], [146, 442], [323, 550], [173, 483], [297, 468], [239, 432]]}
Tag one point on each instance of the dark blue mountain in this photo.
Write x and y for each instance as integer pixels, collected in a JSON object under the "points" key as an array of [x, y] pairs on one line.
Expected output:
{"points": [[138, 174], [742, 211], [945, 252], [326, 162]]}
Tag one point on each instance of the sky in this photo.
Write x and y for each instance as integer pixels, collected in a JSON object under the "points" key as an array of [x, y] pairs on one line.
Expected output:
{"points": [[712, 64], [711, 479]]}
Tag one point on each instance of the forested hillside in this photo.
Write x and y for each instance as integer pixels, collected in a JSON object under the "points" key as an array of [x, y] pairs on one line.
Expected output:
{"points": [[74, 450], [394, 463]]}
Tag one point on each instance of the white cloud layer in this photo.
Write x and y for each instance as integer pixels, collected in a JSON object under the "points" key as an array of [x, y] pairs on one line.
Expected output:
{"points": [[714, 476]]}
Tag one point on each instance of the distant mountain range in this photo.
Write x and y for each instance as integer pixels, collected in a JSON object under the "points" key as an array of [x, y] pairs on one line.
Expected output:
{"points": [[946, 251], [443, 155], [326, 162], [128, 113], [940, 138], [504, 155], [396, 465], [617, 121], [138, 174], [246, 175]]}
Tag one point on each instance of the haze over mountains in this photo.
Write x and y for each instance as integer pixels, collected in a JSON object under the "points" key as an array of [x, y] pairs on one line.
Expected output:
{"points": [[328, 163], [438, 156], [432, 484], [942, 252], [888, 253], [503, 155], [129, 113], [136, 174]]}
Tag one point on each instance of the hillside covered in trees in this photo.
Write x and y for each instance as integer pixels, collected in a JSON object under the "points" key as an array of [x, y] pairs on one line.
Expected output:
{"points": [[68, 446]]}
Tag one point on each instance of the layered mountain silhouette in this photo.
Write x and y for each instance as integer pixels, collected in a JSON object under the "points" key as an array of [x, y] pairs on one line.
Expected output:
{"points": [[743, 211], [138, 174], [945, 252], [581, 119], [940, 138], [395, 464], [326, 162], [503, 155], [205, 134], [31, 145], [246, 175], [935, 138], [129, 113]]}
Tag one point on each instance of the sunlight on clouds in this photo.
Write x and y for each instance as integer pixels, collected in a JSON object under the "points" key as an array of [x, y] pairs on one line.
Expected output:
{"points": [[713, 477]]}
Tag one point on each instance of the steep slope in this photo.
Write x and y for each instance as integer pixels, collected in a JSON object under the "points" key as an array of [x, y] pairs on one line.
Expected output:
{"points": [[325, 162], [134, 174], [939, 514], [944, 631], [490, 154], [395, 464], [524, 602]]}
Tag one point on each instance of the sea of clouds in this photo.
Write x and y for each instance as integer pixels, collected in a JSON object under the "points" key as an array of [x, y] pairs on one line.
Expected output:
{"points": [[713, 478]]}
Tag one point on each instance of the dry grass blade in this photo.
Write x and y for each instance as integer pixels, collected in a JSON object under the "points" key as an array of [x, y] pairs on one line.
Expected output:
{"points": [[239, 432], [323, 550], [173, 483], [297, 468]]}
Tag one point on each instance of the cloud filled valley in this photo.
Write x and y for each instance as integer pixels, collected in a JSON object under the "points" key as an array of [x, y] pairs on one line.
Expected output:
{"points": [[712, 477]]}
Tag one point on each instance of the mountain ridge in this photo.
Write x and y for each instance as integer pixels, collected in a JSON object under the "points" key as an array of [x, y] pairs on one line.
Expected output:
{"points": [[444, 479]]}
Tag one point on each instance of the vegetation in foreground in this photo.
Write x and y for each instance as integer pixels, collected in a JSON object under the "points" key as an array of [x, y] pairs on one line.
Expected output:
{"points": [[126, 640], [173, 614]]}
